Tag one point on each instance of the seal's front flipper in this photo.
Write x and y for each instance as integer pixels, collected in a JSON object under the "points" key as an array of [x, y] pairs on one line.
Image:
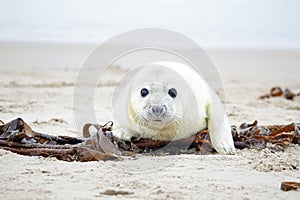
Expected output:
{"points": [[218, 127], [120, 133]]}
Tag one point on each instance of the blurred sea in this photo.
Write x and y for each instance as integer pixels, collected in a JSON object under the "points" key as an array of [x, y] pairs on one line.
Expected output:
{"points": [[215, 23]]}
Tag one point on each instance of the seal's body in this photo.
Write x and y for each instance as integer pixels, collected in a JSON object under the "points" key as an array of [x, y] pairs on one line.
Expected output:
{"points": [[167, 101]]}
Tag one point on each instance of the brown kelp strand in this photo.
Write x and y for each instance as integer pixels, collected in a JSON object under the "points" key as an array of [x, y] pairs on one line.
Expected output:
{"points": [[100, 143]]}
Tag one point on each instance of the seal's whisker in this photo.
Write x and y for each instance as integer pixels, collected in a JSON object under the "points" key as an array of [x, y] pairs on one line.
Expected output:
{"points": [[140, 119]]}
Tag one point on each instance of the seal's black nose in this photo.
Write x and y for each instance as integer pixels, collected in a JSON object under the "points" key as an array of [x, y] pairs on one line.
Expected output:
{"points": [[157, 110]]}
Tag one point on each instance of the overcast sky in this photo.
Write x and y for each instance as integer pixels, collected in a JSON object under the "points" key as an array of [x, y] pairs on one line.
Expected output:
{"points": [[254, 23]]}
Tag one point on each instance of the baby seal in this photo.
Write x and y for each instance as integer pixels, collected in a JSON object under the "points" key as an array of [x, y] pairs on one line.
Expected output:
{"points": [[167, 101]]}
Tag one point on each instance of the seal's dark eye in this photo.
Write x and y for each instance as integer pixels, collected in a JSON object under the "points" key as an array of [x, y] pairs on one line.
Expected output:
{"points": [[144, 92], [172, 92]]}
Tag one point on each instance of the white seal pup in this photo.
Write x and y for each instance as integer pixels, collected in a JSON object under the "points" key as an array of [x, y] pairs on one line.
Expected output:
{"points": [[166, 101]]}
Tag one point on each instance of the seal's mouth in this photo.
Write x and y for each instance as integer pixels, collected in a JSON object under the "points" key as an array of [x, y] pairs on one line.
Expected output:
{"points": [[157, 120]]}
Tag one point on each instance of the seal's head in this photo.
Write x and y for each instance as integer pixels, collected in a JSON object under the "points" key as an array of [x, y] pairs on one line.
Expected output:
{"points": [[155, 106]]}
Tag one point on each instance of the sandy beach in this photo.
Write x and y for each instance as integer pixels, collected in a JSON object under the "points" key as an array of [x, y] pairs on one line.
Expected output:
{"points": [[37, 84]]}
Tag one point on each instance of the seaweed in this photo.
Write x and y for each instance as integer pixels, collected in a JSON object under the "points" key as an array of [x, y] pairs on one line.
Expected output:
{"points": [[99, 142], [278, 92], [287, 186]]}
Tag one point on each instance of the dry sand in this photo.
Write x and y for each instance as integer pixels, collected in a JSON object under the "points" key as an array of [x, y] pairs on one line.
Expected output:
{"points": [[42, 96]]}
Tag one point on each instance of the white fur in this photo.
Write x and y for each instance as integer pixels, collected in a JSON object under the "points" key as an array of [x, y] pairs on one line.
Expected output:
{"points": [[200, 108]]}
